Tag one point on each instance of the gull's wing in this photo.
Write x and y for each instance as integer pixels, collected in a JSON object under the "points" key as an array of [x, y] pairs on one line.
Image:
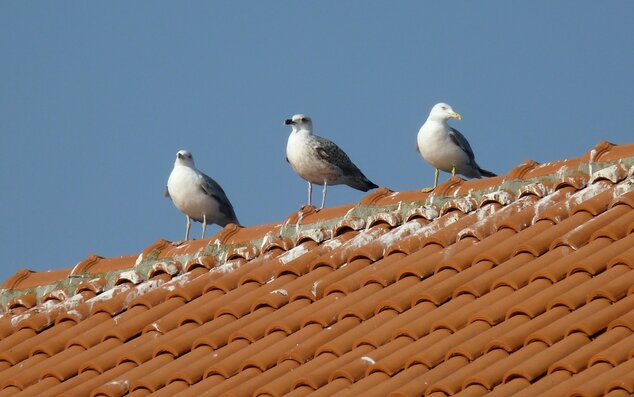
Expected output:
{"points": [[333, 154], [461, 141], [213, 189]]}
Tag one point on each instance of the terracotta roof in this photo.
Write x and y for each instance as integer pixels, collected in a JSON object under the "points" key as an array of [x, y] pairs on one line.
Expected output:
{"points": [[517, 285]]}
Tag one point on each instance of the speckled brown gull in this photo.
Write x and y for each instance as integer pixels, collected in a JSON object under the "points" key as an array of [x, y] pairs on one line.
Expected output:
{"points": [[321, 161]]}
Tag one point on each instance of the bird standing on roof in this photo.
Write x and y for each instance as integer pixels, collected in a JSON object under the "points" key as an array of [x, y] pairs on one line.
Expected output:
{"points": [[198, 196], [320, 161], [445, 148]]}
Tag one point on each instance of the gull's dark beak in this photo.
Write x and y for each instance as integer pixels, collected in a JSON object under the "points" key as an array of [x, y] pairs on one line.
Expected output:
{"points": [[288, 122]]}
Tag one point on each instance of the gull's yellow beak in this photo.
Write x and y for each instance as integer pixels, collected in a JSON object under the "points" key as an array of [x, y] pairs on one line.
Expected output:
{"points": [[456, 116]]}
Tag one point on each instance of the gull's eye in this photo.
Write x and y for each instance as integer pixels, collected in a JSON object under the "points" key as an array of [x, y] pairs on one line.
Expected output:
{"points": [[304, 119]]}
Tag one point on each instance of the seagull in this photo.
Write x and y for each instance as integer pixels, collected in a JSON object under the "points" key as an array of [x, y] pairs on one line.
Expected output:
{"points": [[198, 196], [445, 148], [319, 160]]}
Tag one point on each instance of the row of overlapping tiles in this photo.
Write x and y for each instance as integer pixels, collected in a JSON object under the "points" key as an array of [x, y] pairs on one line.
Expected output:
{"points": [[506, 292]]}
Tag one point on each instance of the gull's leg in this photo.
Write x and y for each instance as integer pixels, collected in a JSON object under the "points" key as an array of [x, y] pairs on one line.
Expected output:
{"points": [[204, 225], [189, 224], [310, 193], [429, 189], [453, 170], [323, 197]]}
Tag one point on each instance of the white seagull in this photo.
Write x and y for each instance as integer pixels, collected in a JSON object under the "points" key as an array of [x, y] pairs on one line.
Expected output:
{"points": [[198, 196], [319, 160], [445, 148]]}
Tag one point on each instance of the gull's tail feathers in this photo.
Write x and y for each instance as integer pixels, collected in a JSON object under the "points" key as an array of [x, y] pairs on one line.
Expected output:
{"points": [[363, 184], [486, 173]]}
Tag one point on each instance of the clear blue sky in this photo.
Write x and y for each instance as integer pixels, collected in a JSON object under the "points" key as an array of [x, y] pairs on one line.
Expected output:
{"points": [[97, 97]]}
